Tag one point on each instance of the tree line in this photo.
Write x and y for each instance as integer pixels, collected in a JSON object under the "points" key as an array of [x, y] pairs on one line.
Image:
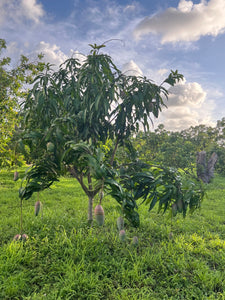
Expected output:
{"points": [[179, 149]]}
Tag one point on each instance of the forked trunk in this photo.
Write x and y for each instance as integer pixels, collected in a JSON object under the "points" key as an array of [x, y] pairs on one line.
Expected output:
{"points": [[90, 209]]}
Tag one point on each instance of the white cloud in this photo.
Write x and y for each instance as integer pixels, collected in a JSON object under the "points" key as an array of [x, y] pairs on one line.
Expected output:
{"points": [[188, 105], [32, 10], [131, 69], [162, 72], [186, 23], [19, 11], [130, 8], [52, 53], [185, 6], [185, 93]]}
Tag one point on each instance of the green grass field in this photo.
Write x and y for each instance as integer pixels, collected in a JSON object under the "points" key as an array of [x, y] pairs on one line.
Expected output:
{"points": [[65, 259]]}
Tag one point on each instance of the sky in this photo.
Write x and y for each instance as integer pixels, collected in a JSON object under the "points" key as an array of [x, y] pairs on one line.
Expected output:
{"points": [[148, 38]]}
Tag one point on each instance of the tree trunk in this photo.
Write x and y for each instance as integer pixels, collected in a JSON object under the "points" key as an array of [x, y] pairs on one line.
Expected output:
{"points": [[114, 152], [205, 171], [90, 209]]}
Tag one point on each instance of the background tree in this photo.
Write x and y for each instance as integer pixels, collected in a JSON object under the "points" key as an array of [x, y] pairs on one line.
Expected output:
{"points": [[12, 90], [179, 149], [166, 148], [70, 115]]}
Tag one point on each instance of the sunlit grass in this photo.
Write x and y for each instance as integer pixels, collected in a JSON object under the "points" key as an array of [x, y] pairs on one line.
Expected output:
{"points": [[66, 259]]}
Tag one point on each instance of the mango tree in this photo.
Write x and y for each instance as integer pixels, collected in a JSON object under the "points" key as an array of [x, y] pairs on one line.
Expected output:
{"points": [[76, 118]]}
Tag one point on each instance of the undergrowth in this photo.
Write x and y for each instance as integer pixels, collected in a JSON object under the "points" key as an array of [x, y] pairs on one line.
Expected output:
{"points": [[64, 258]]}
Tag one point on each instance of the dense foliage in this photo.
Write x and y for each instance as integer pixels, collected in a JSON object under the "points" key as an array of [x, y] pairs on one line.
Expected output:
{"points": [[179, 149], [12, 91]]}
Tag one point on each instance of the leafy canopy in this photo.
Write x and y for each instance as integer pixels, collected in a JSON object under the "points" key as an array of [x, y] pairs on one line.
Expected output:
{"points": [[77, 110]]}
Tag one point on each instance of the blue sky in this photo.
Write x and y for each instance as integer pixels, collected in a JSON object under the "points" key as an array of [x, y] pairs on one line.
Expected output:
{"points": [[149, 37]]}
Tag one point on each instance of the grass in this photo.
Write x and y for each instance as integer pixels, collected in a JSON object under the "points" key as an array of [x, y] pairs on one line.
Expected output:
{"points": [[66, 259]]}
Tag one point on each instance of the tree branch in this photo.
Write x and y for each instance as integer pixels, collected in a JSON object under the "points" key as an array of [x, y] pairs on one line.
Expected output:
{"points": [[89, 182], [114, 151], [79, 178]]}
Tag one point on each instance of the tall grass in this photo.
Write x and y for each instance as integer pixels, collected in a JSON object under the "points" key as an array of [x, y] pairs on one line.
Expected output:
{"points": [[65, 259]]}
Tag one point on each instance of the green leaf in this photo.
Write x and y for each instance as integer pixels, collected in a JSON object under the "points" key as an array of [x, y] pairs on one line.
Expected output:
{"points": [[97, 102], [153, 202]]}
